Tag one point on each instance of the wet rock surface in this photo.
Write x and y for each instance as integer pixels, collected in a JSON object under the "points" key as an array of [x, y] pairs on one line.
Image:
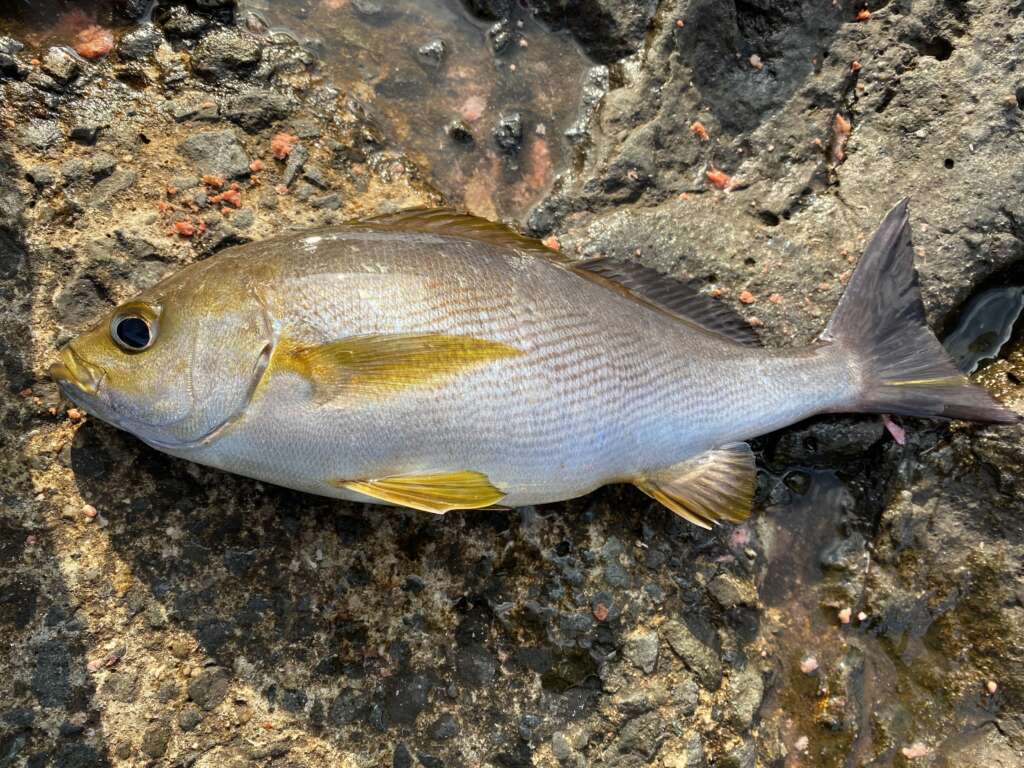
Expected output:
{"points": [[156, 612]]}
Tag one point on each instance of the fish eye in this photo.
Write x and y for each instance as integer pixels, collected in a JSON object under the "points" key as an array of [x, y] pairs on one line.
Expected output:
{"points": [[132, 333]]}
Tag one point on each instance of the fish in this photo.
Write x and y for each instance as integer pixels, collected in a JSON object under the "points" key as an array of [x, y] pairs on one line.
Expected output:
{"points": [[436, 361]]}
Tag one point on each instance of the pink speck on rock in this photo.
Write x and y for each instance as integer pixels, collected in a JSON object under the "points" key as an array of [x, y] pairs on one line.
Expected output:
{"points": [[472, 109], [898, 433], [916, 750], [844, 615]]}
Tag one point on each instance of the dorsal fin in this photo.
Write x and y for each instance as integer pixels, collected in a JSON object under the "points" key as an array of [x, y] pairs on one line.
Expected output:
{"points": [[674, 297], [445, 221]]}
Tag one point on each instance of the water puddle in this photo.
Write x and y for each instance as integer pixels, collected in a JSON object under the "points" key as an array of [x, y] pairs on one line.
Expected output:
{"points": [[985, 327], [483, 107]]}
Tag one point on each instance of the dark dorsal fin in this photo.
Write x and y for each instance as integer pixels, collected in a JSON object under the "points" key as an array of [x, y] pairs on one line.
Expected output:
{"points": [[445, 221], [674, 297]]}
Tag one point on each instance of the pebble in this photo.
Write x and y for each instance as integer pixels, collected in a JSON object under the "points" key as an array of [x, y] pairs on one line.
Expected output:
{"points": [[844, 615], [60, 65], [992, 686], [89, 511], [432, 54], [809, 665]]}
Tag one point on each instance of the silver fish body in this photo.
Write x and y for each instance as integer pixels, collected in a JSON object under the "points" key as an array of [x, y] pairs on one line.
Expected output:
{"points": [[595, 385]]}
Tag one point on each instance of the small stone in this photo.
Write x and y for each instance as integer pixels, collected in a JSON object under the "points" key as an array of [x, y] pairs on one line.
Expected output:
{"points": [[85, 133], [154, 740], [755, 62], [746, 297], [217, 153], [642, 650], [445, 727], [732, 591], [845, 615], [508, 134], [60, 65], [801, 744], [698, 656], [499, 36], [402, 757], [209, 688], [459, 132], [41, 176], [862, 616], [432, 54], [140, 42], [189, 717], [809, 665], [89, 511], [561, 747], [992, 686], [328, 202], [226, 53], [257, 109]]}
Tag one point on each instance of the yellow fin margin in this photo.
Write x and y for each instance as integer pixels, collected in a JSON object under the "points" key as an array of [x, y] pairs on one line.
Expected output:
{"points": [[437, 493]]}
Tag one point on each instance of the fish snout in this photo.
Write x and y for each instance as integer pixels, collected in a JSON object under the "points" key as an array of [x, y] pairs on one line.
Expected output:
{"points": [[74, 371]]}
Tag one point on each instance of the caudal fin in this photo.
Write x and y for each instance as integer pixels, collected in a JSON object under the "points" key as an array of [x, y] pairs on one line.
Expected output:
{"points": [[881, 320]]}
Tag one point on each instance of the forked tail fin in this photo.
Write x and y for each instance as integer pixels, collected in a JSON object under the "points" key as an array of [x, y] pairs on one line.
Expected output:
{"points": [[881, 321]]}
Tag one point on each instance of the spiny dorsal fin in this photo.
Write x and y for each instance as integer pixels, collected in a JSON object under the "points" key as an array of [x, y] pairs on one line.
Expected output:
{"points": [[674, 297], [715, 486], [445, 221], [383, 364], [437, 493]]}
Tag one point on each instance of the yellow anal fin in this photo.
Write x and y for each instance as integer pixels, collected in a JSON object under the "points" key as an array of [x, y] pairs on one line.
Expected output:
{"points": [[707, 489], [384, 364], [438, 493]]}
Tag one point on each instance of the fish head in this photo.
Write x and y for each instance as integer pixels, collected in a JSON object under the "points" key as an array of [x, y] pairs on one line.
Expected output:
{"points": [[176, 364]]}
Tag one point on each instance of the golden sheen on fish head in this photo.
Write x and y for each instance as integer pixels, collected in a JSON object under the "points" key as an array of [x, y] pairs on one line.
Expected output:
{"points": [[177, 363]]}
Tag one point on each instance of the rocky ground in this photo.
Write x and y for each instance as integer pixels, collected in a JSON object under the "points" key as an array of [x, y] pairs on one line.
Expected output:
{"points": [[872, 611]]}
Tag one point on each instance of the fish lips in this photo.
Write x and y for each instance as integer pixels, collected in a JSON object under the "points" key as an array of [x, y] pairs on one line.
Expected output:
{"points": [[76, 376]]}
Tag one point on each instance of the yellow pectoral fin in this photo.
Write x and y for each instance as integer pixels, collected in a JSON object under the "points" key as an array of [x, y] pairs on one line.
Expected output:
{"points": [[715, 486], [384, 364], [437, 493]]}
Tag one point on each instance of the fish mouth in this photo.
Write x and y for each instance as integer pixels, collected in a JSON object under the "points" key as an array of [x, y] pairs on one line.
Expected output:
{"points": [[74, 372]]}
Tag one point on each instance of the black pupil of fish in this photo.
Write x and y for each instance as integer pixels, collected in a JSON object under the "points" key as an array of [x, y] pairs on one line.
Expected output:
{"points": [[133, 332]]}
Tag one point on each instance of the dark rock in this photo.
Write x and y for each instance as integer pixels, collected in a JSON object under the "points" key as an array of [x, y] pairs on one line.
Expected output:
{"points": [[139, 43], [189, 717], [296, 160], [118, 182], [489, 10], [78, 756], [732, 591], [51, 677], [204, 110], [642, 650], [746, 690], [328, 202], [131, 10], [11, 67], [402, 757], [405, 696], [256, 109], [459, 132], [239, 561], [42, 176], [315, 176], [445, 727], [508, 133], [433, 53], [61, 65], [606, 29], [178, 21], [698, 656], [475, 665], [209, 688], [347, 707], [121, 686], [85, 132], [218, 153], [154, 740], [226, 53], [499, 36]]}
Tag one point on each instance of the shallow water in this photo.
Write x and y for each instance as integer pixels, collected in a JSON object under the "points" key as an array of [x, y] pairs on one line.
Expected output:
{"points": [[372, 50]]}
